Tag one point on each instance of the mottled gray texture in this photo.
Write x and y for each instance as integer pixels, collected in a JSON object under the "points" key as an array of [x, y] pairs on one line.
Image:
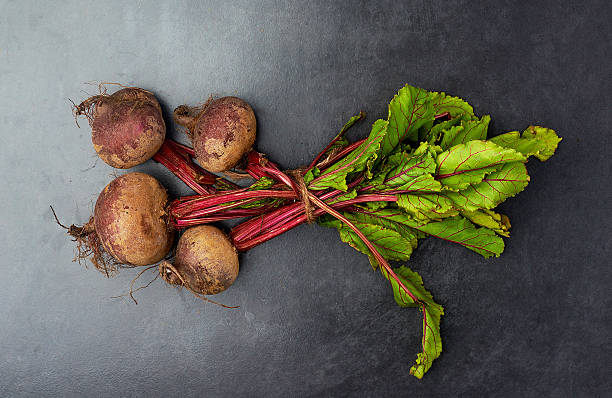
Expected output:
{"points": [[314, 320]]}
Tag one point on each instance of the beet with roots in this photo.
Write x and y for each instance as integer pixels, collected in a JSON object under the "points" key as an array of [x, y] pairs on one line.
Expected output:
{"points": [[127, 127], [205, 262], [129, 224], [222, 131]]}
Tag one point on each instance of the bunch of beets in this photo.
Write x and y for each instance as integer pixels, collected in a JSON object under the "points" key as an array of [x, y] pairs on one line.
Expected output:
{"points": [[427, 170]]}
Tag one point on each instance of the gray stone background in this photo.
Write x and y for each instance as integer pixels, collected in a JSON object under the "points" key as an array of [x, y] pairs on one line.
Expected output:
{"points": [[314, 319]]}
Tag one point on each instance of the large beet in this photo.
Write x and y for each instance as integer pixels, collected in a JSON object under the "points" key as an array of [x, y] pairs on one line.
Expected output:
{"points": [[127, 127], [222, 131], [130, 219]]}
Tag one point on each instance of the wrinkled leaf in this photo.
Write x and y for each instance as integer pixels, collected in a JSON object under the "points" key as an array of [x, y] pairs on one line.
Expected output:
{"points": [[455, 106], [431, 342], [427, 206], [468, 163], [496, 187], [437, 130], [489, 219], [374, 205], [410, 109], [311, 175], [535, 141], [468, 130], [408, 172], [393, 241], [459, 230]]}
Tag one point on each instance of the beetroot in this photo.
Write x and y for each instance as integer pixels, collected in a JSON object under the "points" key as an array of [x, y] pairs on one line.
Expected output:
{"points": [[222, 131], [127, 127], [205, 262], [130, 219], [129, 224]]}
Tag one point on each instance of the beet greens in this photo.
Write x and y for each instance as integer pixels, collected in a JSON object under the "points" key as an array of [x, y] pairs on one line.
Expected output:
{"points": [[427, 170]]}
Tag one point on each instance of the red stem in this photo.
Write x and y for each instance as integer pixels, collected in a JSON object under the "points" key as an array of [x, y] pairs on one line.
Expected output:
{"points": [[219, 208], [251, 228], [178, 159], [181, 156], [229, 215], [348, 149], [183, 210], [332, 142], [183, 173], [283, 214], [256, 231], [182, 148]]}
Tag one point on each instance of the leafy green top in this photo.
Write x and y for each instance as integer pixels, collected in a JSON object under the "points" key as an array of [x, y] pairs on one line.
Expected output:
{"points": [[430, 171]]}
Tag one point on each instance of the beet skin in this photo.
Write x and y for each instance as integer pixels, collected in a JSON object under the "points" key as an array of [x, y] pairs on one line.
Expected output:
{"points": [[127, 127], [130, 219], [206, 262], [222, 131]]}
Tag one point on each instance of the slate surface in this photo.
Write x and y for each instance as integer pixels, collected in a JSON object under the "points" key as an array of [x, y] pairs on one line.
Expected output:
{"points": [[314, 320]]}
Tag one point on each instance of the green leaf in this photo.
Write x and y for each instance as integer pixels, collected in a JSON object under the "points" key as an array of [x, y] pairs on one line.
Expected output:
{"points": [[392, 240], [334, 148], [468, 130], [427, 206], [375, 205], [453, 229], [458, 110], [311, 175], [455, 106], [407, 285], [410, 109], [448, 136], [358, 160], [489, 219], [496, 187], [437, 130], [405, 171], [535, 141], [468, 163], [398, 219], [422, 183], [431, 343], [459, 230], [351, 122]]}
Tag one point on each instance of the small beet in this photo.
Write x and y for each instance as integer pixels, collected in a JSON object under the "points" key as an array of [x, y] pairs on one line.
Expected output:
{"points": [[205, 262], [222, 131], [127, 127]]}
